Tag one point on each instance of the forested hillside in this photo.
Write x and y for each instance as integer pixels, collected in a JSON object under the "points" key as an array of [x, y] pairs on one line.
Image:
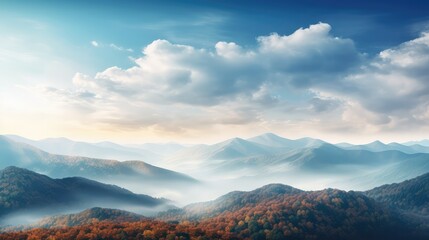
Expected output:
{"points": [[271, 212]]}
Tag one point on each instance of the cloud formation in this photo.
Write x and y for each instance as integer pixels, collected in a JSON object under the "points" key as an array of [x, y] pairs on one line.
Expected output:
{"points": [[308, 78], [393, 87]]}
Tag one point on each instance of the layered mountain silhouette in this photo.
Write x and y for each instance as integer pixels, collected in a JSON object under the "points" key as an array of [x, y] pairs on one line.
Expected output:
{"points": [[23, 190], [272, 140], [270, 158], [424, 142], [266, 144], [103, 150], [229, 149], [378, 146], [112, 171], [236, 164]]}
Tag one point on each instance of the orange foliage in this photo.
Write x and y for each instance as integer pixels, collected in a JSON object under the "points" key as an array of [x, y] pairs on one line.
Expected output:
{"points": [[329, 214]]}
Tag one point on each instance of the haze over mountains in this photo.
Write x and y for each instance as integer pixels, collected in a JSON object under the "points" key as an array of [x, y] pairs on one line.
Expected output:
{"points": [[217, 170], [325, 214], [158, 120], [104, 150], [137, 176], [23, 193], [240, 163], [378, 146], [162, 149], [424, 142], [274, 211], [306, 163]]}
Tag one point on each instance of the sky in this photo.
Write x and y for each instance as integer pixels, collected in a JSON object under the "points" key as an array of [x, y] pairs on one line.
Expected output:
{"points": [[204, 71]]}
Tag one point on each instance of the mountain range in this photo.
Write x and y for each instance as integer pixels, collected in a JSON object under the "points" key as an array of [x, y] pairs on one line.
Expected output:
{"points": [[378, 146], [274, 211], [304, 162], [103, 150], [235, 164], [424, 142], [135, 175]]}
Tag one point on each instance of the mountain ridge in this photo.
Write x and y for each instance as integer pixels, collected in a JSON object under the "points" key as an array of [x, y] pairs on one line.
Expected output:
{"points": [[273, 211], [88, 216], [411, 195], [24, 155], [102, 150], [22, 189]]}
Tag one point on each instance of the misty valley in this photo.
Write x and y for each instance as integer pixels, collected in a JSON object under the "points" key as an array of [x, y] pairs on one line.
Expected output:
{"points": [[264, 187], [214, 119]]}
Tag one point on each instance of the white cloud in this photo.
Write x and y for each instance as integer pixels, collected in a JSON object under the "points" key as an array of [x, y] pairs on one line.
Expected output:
{"points": [[119, 48], [392, 87], [112, 46], [306, 80], [172, 73]]}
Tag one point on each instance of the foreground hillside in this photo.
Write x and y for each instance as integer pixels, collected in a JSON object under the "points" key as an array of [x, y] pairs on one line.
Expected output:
{"points": [[88, 216], [272, 212], [230, 202], [411, 195], [277, 211]]}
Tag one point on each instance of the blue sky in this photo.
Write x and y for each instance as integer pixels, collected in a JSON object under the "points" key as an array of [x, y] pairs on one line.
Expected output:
{"points": [[95, 70]]}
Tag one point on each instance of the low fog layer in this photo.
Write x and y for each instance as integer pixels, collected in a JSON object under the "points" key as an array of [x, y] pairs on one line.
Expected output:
{"points": [[208, 171], [27, 196]]}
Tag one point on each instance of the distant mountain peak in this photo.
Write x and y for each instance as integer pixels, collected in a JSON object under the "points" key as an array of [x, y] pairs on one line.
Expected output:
{"points": [[273, 140], [236, 140], [377, 142], [267, 135], [270, 135], [233, 142]]}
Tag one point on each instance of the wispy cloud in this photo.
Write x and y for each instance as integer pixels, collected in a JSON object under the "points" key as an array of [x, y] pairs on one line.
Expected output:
{"points": [[111, 45], [119, 48]]}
